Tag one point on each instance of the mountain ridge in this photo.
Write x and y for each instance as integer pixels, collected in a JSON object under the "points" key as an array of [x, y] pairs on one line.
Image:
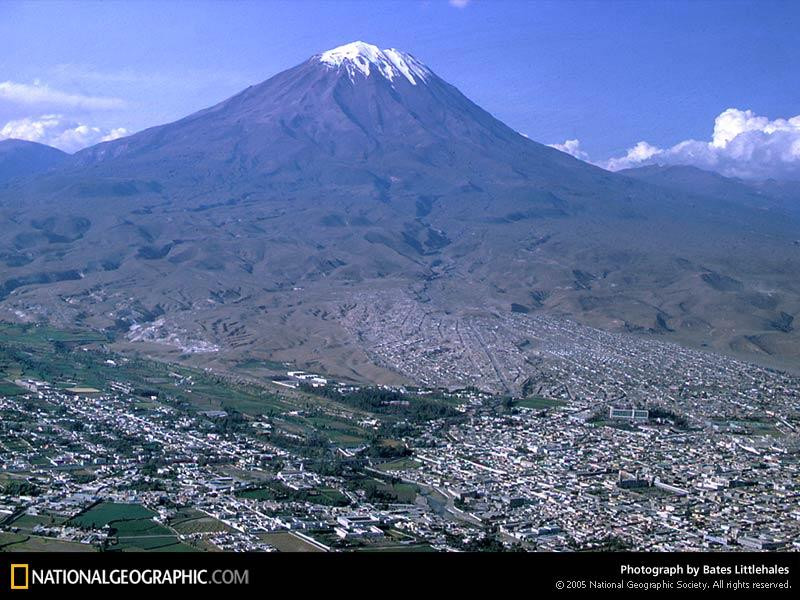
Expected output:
{"points": [[763, 195], [22, 158]]}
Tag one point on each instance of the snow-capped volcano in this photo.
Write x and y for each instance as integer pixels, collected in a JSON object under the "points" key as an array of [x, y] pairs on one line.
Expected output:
{"points": [[355, 113], [273, 220], [360, 57]]}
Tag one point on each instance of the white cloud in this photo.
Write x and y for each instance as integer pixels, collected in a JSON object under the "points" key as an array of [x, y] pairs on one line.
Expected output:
{"points": [[640, 153], [743, 144], [41, 94], [459, 3], [57, 131], [572, 147], [114, 134]]}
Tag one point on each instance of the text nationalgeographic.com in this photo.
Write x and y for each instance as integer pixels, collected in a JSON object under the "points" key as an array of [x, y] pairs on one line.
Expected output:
{"points": [[130, 577]]}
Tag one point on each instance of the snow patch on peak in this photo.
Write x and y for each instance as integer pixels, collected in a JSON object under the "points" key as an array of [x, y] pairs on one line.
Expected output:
{"points": [[360, 57]]}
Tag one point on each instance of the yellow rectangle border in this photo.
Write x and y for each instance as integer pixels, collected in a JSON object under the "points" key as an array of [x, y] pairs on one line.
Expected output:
{"points": [[16, 567]]}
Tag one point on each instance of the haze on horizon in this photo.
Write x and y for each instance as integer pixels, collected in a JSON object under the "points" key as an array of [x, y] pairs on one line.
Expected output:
{"points": [[620, 85]]}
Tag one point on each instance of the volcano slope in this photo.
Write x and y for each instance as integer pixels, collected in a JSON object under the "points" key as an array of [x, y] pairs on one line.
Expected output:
{"points": [[250, 230]]}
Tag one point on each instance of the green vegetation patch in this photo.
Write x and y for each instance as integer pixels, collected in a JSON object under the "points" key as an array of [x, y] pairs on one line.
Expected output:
{"points": [[106, 513], [288, 542], [132, 528], [10, 389], [538, 402], [28, 522], [401, 464], [12, 542], [387, 402], [391, 491], [276, 491], [340, 432], [189, 521]]}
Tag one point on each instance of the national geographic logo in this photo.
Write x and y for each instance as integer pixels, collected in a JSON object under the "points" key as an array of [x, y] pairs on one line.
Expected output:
{"points": [[19, 577]]}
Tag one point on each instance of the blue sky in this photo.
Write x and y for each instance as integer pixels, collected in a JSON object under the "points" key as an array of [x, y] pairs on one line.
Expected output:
{"points": [[609, 74]]}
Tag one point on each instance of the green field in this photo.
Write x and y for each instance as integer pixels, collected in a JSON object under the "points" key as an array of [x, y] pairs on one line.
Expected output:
{"points": [[144, 534], [9, 389], [189, 521], [250, 364], [399, 465], [395, 541], [27, 522], [341, 433], [43, 335], [106, 513], [13, 542], [132, 528], [287, 542], [387, 491], [538, 402], [276, 491]]}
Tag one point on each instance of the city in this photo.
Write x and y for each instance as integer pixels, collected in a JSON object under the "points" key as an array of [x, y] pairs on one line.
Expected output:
{"points": [[651, 447]]}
